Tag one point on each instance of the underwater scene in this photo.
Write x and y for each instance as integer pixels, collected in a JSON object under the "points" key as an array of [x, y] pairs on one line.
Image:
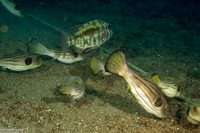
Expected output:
{"points": [[101, 66]]}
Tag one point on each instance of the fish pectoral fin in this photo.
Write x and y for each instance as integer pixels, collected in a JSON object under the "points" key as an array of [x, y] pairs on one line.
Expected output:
{"points": [[128, 87], [163, 90], [155, 78]]}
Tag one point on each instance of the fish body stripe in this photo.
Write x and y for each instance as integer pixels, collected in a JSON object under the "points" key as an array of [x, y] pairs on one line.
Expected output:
{"points": [[143, 99], [69, 56], [146, 92], [18, 63], [169, 89]]}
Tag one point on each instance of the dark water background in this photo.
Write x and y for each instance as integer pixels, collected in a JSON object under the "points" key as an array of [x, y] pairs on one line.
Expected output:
{"points": [[174, 25]]}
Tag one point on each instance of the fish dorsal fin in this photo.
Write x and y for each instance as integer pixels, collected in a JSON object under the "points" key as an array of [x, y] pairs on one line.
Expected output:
{"points": [[72, 30], [89, 27]]}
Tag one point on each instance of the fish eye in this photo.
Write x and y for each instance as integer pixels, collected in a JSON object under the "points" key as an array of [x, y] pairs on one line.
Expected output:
{"points": [[158, 102], [28, 60], [75, 54], [17, 7]]}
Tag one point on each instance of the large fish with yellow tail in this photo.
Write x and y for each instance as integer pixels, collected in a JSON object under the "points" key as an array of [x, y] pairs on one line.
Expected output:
{"points": [[36, 47], [21, 62], [87, 36], [147, 93], [170, 89]]}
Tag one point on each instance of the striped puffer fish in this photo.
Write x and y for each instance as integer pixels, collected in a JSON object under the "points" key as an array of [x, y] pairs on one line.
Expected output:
{"points": [[36, 47], [193, 114], [21, 62], [170, 89], [147, 93], [75, 87], [88, 36]]}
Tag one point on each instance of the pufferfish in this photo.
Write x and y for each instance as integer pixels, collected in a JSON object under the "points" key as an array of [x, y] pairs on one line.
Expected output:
{"points": [[147, 93], [87, 36], [192, 114], [170, 89], [21, 62], [75, 88]]}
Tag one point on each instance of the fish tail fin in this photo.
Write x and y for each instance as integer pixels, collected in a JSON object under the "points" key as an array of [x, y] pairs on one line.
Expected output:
{"points": [[36, 47], [116, 63], [64, 40], [155, 78], [95, 65], [64, 90]]}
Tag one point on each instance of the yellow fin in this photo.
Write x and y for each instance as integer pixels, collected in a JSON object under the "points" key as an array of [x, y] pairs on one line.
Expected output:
{"points": [[116, 63], [155, 78], [33, 46], [128, 87], [65, 90], [95, 65]]}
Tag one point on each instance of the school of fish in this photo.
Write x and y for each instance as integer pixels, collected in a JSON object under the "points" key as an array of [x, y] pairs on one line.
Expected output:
{"points": [[149, 92]]}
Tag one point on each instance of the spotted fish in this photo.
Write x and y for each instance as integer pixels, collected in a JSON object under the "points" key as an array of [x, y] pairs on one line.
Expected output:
{"points": [[21, 62], [147, 93], [87, 36]]}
